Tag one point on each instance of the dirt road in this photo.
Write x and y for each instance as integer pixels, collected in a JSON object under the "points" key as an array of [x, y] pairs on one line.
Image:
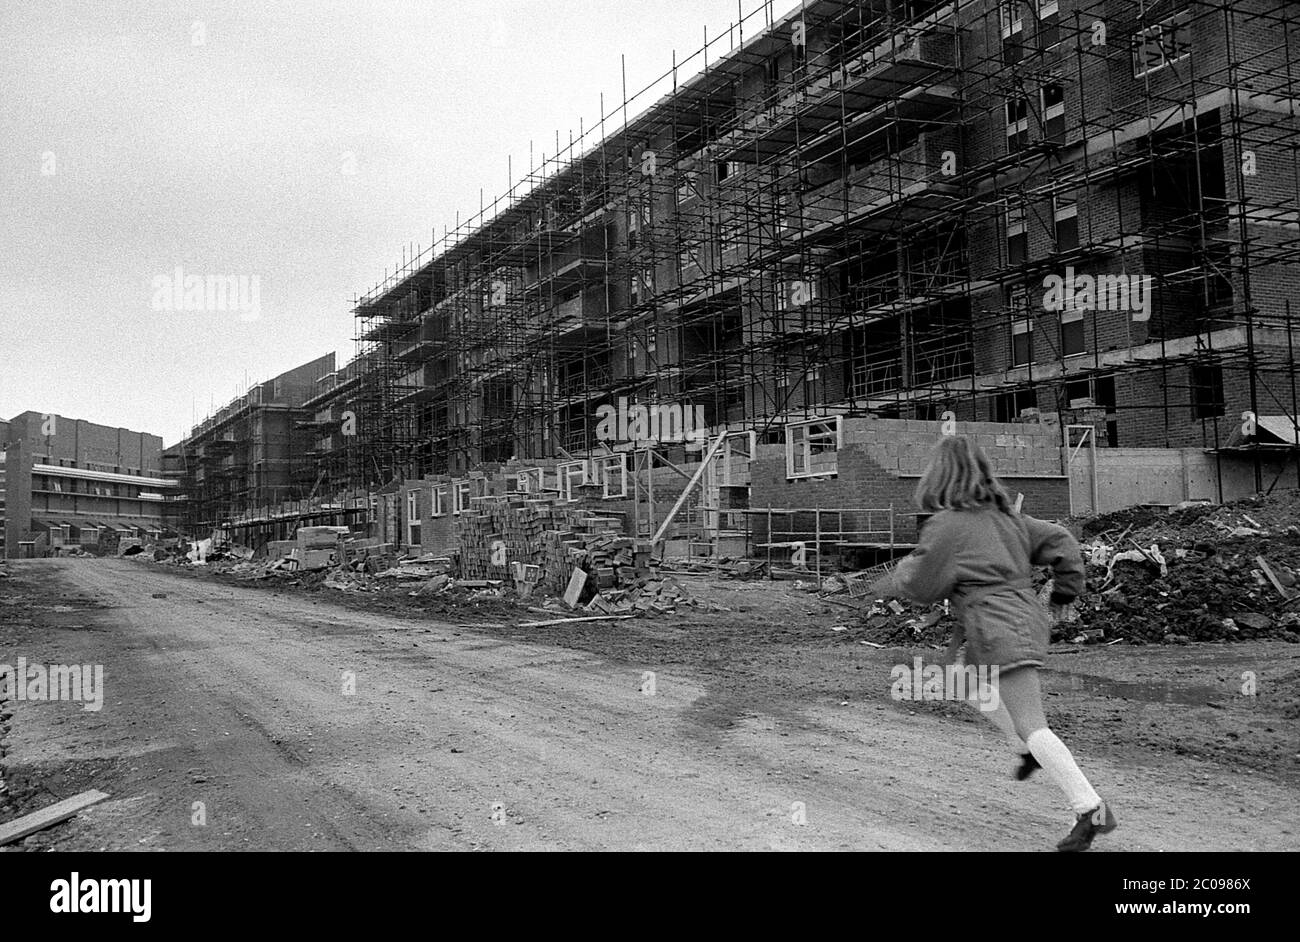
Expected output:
{"points": [[458, 738]]}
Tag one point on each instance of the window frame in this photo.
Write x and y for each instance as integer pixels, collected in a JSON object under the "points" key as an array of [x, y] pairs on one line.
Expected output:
{"points": [[1017, 128], [801, 440], [460, 497], [1016, 221], [1049, 10], [531, 480], [1022, 325], [565, 474], [1052, 113], [1214, 407], [1070, 316], [1180, 21], [617, 463], [1064, 209], [1011, 25]]}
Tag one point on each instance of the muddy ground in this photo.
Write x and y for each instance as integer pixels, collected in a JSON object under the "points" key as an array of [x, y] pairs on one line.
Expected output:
{"points": [[228, 694]]}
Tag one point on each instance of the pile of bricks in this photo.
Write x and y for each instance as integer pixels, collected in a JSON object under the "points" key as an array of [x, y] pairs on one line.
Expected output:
{"points": [[646, 596], [541, 542]]}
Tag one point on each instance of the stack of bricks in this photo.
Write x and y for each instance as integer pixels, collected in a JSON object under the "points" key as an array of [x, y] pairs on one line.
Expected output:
{"points": [[500, 534]]}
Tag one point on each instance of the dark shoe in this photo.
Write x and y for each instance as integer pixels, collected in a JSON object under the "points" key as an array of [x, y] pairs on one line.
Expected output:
{"points": [[1097, 821], [1028, 766]]}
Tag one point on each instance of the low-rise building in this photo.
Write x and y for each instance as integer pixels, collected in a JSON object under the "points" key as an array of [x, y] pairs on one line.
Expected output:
{"points": [[68, 482]]}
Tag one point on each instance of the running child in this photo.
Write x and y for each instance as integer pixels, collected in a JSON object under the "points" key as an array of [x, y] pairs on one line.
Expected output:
{"points": [[979, 552]]}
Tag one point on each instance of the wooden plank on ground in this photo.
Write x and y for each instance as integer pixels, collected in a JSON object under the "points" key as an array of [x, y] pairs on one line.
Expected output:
{"points": [[570, 621], [17, 829], [1272, 576]]}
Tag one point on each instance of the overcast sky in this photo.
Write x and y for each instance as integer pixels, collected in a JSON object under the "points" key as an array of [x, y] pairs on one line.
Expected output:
{"points": [[304, 144]]}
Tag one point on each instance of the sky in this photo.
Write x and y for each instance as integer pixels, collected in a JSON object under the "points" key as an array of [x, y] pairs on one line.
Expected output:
{"points": [[289, 151]]}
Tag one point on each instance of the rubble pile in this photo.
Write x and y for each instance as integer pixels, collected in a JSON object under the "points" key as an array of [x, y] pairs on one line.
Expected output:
{"points": [[553, 547], [1200, 572], [728, 567], [508, 548]]}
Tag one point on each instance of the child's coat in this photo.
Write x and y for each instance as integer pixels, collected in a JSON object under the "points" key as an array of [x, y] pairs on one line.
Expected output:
{"points": [[983, 561]]}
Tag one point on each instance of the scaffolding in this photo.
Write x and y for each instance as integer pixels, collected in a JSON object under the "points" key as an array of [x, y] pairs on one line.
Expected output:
{"points": [[857, 208]]}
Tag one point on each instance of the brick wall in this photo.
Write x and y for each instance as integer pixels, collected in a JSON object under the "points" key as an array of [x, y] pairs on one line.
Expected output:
{"points": [[881, 460]]}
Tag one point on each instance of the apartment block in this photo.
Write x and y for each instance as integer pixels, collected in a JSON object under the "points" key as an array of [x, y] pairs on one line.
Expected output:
{"points": [[68, 482], [896, 210]]}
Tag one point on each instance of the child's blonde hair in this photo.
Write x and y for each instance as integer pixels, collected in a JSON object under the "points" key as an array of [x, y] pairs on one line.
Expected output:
{"points": [[960, 477]]}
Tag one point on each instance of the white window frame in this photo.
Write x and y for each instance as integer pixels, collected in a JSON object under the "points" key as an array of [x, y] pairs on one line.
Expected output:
{"points": [[1011, 22], [565, 474], [612, 470], [743, 446], [439, 505], [532, 480], [412, 515], [460, 496], [800, 439]]}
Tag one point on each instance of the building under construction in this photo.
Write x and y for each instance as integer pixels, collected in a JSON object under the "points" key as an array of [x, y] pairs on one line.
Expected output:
{"points": [[253, 454], [1077, 214]]}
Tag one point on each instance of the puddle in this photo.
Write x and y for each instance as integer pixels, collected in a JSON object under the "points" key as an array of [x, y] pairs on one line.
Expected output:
{"points": [[1150, 691]]}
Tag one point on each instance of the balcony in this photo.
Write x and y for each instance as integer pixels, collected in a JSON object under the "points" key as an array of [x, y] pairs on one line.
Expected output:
{"points": [[904, 187], [567, 271], [901, 79], [576, 314], [416, 385], [539, 242]]}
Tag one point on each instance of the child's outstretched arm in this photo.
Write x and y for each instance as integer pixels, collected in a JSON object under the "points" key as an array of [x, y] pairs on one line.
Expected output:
{"points": [[928, 573], [1052, 545]]}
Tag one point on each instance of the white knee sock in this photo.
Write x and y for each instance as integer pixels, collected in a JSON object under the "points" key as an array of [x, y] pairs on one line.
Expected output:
{"points": [[1002, 720], [1054, 756]]}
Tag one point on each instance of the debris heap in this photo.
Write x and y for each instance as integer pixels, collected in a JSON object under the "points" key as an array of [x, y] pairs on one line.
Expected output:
{"points": [[1200, 572]]}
